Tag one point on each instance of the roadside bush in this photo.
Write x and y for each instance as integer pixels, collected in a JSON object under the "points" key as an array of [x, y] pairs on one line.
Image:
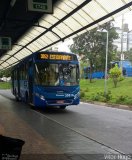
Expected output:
{"points": [[121, 99], [96, 97], [100, 96], [82, 94], [128, 101], [124, 100], [86, 90], [95, 91], [121, 78], [115, 73], [108, 96]]}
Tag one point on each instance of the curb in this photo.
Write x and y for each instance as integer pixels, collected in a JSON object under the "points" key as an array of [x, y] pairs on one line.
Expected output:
{"points": [[119, 106]]}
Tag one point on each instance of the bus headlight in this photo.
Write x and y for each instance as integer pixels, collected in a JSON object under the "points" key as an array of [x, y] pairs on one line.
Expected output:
{"points": [[42, 97]]}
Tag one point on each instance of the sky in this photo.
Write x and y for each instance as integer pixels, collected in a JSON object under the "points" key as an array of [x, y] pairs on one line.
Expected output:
{"points": [[127, 19], [118, 23], [64, 45]]}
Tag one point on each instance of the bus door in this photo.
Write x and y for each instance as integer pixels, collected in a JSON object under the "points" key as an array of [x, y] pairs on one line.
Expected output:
{"points": [[30, 81]]}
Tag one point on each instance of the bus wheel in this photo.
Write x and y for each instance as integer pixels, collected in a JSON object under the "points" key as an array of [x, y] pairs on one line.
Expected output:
{"points": [[62, 107]]}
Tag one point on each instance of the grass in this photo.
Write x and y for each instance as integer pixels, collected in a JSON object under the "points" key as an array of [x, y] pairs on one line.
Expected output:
{"points": [[5, 85], [94, 91]]}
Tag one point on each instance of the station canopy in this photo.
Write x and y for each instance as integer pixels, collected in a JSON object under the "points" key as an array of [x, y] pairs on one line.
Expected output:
{"points": [[70, 18]]}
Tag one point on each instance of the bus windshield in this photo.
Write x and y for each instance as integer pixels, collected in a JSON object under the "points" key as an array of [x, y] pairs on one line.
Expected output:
{"points": [[49, 74]]}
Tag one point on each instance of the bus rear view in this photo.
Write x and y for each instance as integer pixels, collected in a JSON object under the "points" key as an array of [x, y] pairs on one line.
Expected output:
{"points": [[51, 79]]}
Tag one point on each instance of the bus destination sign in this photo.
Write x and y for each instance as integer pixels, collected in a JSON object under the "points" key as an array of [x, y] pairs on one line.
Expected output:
{"points": [[45, 56]]}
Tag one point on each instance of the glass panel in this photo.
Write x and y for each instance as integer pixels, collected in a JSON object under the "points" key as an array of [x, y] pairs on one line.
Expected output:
{"points": [[33, 47], [23, 42], [81, 19], [25, 51], [59, 32], [74, 25], [35, 32], [110, 5], [41, 42], [51, 19], [85, 15], [11, 52], [94, 10], [37, 45], [52, 36], [56, 74], [18, 56], [65, 8], [71, 4], [1, 61], [40, 29], [91, 12], [68, 74], [27, 38], [127, 1], [77, 2], [5, 64], [106, 20], [59, 13], [12, 59], [16, 47], [44, 23], [30, 35], [1, 67], [5, 57], [64, 28], [46, 39]]}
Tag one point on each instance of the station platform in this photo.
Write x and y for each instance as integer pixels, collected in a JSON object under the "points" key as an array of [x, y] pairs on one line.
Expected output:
{"points": [[12, 125], [44, 137]]}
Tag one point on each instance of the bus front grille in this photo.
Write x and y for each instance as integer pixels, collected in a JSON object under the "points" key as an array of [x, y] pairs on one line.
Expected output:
{"points": [[59, 102]]}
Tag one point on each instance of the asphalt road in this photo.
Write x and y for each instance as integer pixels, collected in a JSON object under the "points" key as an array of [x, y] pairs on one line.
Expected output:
{"points": [[110, 127]]}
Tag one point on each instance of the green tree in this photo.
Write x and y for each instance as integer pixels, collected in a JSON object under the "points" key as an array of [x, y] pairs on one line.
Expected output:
{"points": [[115, 73], [92, 46], [6, 73], [82, 66]]}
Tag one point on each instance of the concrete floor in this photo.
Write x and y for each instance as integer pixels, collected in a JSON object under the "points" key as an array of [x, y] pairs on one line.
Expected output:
{"points": [[76, 131]]}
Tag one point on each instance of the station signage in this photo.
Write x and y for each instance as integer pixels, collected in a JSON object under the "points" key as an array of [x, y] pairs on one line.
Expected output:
{"points": [[45, 6], [45, 56], [5, 43]]}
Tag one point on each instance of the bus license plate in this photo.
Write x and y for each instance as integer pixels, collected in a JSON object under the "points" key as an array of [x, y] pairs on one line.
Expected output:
{"points": [[60, 101]]}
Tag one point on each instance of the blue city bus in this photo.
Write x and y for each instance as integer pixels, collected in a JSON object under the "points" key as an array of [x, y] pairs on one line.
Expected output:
{"points": [[47, 79]]}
